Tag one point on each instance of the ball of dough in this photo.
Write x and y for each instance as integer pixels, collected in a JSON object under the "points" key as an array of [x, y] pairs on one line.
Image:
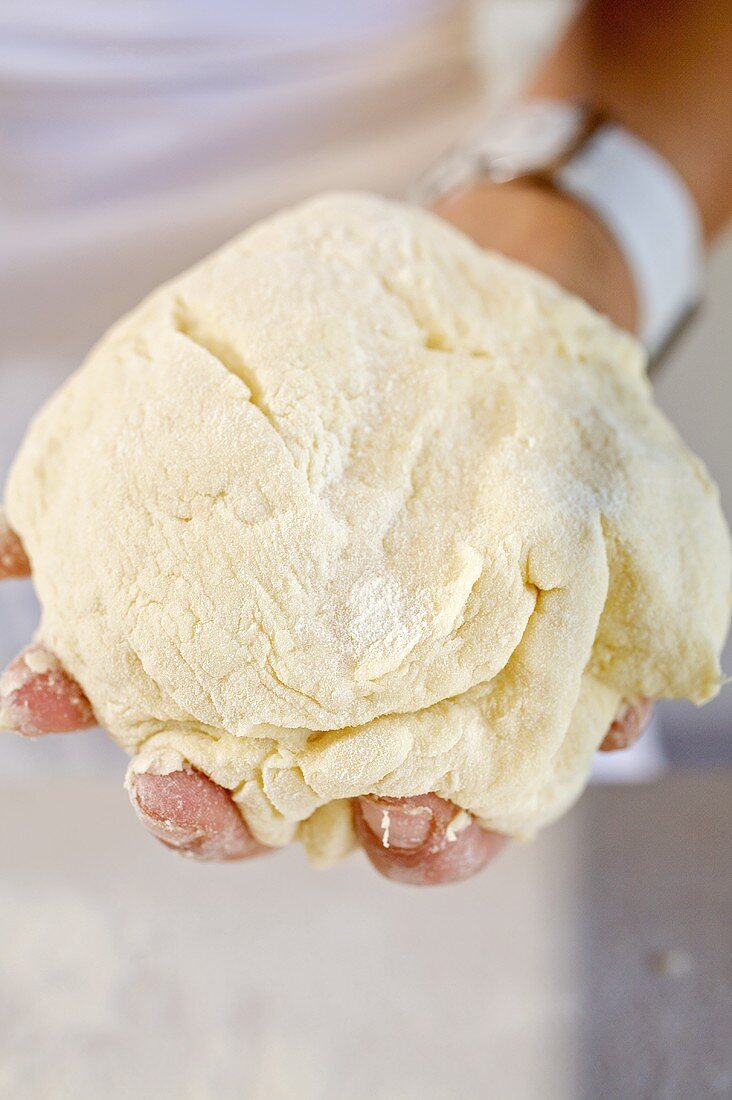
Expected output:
{"points": [[354, 506]]}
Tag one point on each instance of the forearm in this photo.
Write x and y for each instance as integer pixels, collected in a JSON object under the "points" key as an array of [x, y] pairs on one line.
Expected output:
{"points": [[662, 69]]}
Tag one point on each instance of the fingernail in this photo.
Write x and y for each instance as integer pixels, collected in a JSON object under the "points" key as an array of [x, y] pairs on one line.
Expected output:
{"points": [[397, 826], [188, 812], [151, 799]]}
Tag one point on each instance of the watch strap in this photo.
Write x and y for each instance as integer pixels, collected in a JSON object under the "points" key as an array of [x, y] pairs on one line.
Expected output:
{"points": [[650, 212]]}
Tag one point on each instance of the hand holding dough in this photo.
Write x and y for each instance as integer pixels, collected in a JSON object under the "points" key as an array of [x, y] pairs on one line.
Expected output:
{"points": [[355, 507]]}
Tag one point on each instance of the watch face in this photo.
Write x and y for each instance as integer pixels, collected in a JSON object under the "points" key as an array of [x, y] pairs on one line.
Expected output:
{"points": [[524, 139]]}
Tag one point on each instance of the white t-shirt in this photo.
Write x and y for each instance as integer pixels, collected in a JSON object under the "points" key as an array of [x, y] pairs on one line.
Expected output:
{"points": [[105, 101], [137, 135]]}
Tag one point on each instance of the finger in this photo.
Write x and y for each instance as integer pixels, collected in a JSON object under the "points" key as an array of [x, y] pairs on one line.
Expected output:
{"points": [[423, 840], [13, 559], [629, 724], [190, 813], [38, 696]]}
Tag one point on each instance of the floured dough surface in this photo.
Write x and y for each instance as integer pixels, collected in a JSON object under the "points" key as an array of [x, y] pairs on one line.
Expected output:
{"points": [[354, 506]]}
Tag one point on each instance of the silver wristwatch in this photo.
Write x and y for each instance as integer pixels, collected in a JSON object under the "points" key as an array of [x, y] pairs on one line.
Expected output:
{"points": [[634, 191]]}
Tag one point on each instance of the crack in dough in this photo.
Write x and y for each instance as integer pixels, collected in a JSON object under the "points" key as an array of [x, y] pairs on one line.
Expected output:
{"points": [[225, 354]]}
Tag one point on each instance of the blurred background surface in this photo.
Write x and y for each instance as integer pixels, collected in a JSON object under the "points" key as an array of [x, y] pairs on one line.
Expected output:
{"points": [[593, 964]]}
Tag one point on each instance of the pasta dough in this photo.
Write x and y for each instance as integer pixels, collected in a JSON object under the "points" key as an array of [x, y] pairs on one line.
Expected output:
{"points": [[355, 507]]}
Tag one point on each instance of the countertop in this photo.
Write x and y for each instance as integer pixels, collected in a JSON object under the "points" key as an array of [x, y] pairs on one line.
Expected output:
{"points": [[595, 962]]}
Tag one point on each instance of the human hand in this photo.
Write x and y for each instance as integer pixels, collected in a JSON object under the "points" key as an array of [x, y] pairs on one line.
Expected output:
{"points": [[423, 840]]}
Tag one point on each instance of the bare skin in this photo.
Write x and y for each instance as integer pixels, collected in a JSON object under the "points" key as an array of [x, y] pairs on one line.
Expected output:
{"points": [[37, 696], [191, 814], [420, 840], [631, 720]]}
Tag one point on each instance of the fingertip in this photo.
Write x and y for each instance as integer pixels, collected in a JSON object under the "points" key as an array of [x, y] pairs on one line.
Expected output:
{"points": [[37, 696], [188, 812], [396, 823], [628, 726], [451, 847]]}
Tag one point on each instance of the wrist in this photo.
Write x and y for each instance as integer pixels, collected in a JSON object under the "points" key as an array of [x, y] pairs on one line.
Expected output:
{"points": [[552, 233]]}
